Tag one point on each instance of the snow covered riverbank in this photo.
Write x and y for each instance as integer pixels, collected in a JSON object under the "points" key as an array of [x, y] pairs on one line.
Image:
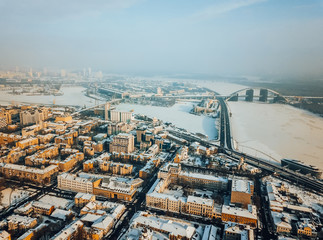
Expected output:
{"points": [[178, 115], [277, 131]]}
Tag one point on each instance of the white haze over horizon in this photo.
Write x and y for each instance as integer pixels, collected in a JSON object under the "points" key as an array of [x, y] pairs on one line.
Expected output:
{"points": [[226, 37]]}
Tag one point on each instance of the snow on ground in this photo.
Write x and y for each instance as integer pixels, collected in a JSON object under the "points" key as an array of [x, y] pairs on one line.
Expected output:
{"points": [[309, 199], [277, 131], [56, 201], [72, 96], [11, 196], [178, 115]]}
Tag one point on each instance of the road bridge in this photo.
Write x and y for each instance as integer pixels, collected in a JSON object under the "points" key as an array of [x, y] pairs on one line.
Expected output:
{"points": [[114, 101]]}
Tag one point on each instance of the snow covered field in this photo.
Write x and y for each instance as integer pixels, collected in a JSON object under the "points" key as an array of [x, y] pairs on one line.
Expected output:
{"points": [[72, 96], [178, 115], [278, 131]]}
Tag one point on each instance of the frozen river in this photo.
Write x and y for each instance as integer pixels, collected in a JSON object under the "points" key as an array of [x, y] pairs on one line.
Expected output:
{"points": [[277, 131], [72, 96], [178, 115]]}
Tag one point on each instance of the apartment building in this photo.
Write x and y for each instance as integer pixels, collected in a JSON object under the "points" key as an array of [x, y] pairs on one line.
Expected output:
{"points": [[123, 142], [36, 175], [27, 142], [71, 182], [240, 215], [116, 168], [241, 192], [33, 116]]}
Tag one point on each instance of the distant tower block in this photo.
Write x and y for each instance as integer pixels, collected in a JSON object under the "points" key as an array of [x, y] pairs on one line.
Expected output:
{"points": [[159, 91], [106, 110], [234, 98], [249, 95], [263, 95]]}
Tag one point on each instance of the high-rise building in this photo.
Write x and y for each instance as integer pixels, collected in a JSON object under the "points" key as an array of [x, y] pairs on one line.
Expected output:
{"points": [[123, 142], [159, 91], [63, 73], [33, 116], [30, 73], [116, 116]]}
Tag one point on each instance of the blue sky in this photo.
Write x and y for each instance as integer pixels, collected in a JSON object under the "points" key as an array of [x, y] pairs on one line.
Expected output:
{"points": [[241, 37]]}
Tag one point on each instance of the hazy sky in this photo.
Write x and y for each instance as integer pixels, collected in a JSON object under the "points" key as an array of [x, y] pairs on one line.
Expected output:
{"points": [[178, 36]]}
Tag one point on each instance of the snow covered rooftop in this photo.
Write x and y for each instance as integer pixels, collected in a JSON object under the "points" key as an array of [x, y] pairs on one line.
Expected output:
{"points": [[241, 185], [248, 213], [200, 200], [68, 231], [61, 214], [165, 225], [204, 176], [30, 169], [103, 223]]}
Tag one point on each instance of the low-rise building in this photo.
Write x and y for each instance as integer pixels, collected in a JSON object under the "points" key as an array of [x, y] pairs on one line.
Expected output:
{"points": [[36, 175], [4, 235], [282, 222], [81, 199], [234, 231], [115, 168], [172, 228], [72, 231], [305, 229], [27, 142], [42, 208], [241, 192], [72, 182], [17, 222], [240, 215]]}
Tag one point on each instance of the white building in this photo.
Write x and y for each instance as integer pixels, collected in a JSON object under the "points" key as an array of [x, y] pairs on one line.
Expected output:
{"points": [[71, 182]]}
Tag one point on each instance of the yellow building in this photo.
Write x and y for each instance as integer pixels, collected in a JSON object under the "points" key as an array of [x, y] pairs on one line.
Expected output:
{"points": [[70, 162], [88, 165], [18, 223], [125, 194], [81, 199], [241, 192], [5, 117], [240, 215], [36, 175], [200, 206], [72, 231], [306, 229], [9, 138], [27, 142], [123, 189], [65, 118], [42, 208], [92, 234], [116, 168], [122, 143]]}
